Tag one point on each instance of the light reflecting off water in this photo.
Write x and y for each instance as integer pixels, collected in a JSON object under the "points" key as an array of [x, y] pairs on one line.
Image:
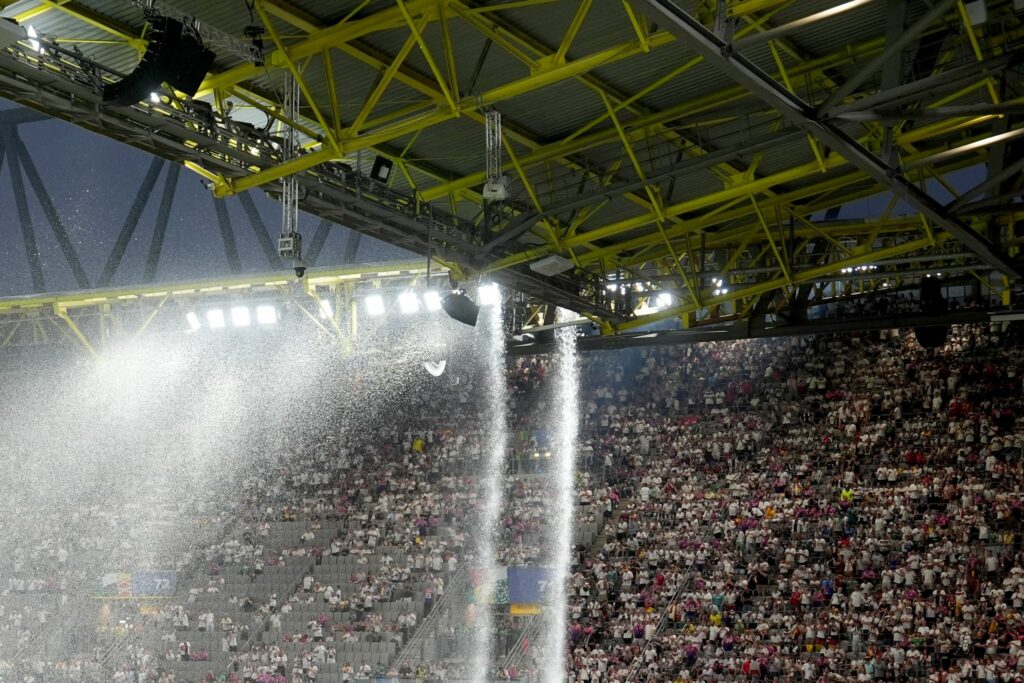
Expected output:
{"points": [[566, 431]]}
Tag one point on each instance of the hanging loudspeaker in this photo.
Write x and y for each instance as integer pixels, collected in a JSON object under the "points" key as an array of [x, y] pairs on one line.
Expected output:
{"points": [[932, 303], [173, 56]]}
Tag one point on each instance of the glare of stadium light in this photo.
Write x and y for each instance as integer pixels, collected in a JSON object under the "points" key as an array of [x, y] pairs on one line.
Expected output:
{"points": [[536, 454], [266, 315], [408, 302], [432, 300], [33, 38], [489, 294], [547, 454], [326, 311], [215, 317], [154, 98], [664, 300], [193, 320], [374, 304], [240, 316]]}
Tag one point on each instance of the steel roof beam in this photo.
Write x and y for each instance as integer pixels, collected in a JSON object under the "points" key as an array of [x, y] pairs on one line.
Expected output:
{"points": [[801, 114], [893, 51]]}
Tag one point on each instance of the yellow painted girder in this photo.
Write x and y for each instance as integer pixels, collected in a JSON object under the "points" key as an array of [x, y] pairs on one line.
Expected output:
{"points": [[351, 143], [697, 225], [777, 283], [332, 36], [607, 256], [740, 189], [576, 144], [315, 277]]}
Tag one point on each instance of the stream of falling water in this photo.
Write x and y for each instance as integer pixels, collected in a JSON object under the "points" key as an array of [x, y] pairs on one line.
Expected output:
{"points": [[492, 480], [567, 428]]}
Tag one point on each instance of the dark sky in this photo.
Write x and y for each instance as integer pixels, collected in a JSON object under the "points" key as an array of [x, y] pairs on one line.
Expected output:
{"points": [[94, 180]]}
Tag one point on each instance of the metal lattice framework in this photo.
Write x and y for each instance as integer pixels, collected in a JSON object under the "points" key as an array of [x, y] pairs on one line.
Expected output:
{"points": [[695, 159]]}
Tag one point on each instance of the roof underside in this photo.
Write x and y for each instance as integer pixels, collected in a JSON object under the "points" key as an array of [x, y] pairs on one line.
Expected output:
{"points": [[630, 151]]}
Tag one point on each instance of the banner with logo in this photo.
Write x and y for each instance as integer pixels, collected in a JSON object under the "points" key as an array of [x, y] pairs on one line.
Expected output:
{"points": [[146, 584], [528, 585]]}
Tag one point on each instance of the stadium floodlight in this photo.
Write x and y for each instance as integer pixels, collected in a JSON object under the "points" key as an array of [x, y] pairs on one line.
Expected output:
{"points": [[266, 315], [489, 294], [664, 300], [33, 38], [154, 98], [374, 305], [432, 300], [408, 303], [326, 311], [240, 316], [215, 317], [193, 320]]}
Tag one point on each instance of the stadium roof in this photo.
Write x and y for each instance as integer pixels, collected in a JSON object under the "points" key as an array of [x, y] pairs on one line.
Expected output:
{"points": [[719, 152]]}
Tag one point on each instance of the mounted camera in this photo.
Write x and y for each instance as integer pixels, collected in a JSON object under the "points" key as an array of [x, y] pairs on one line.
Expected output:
{"points": [[290, 246]]}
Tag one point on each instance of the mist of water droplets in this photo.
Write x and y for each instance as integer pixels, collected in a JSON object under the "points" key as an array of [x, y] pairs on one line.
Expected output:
{"points": [[561, 514], [492, 489]]}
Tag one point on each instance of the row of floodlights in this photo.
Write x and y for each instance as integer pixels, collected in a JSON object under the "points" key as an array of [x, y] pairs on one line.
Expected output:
{"points": [[240, 316], [409, 302]]}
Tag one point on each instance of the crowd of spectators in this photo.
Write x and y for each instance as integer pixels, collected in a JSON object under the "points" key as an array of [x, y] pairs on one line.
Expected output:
{"points": [[829, 508], [838, 508]]}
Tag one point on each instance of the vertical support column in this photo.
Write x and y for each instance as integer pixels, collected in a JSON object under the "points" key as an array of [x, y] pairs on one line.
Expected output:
{"points": [[260, 229], [162, 217], [227, 235], [28, 233], [50, 211], [131, 222], [322, 231], [351, 247], [892, 71]]}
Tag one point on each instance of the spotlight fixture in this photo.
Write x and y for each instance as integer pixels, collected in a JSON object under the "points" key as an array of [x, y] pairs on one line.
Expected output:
{"points": [[381, 170], [174, 55], [215, 318], [408, 303], [432, 300], [664, 300], [33, 38], [374, 305], [489, 294], [266, 315], [154, 97], [460, 307], [240, 316], [193, 320]]}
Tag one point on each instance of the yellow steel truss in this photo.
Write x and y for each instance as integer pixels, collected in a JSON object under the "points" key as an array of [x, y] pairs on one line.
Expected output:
{"points": [[761, 213]]}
